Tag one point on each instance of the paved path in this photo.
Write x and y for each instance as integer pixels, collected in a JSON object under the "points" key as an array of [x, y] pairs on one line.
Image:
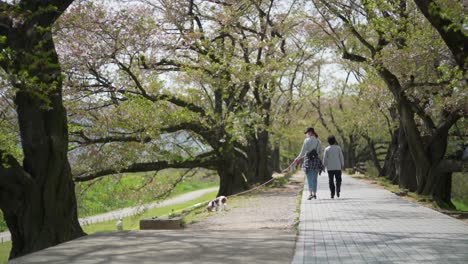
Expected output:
{"points": [[371, 225], [178, 246], [5, 236]]}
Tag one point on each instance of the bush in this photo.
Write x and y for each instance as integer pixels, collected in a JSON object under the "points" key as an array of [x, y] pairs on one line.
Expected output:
{"points": [[372, 171], [460, 190], [3, 226]]}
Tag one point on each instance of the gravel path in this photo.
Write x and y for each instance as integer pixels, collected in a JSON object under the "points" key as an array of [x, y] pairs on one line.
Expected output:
{"points": [[269, 208]]}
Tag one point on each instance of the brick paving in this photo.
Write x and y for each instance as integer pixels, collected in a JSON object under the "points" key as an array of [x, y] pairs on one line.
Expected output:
{"points": [[371, 225]]}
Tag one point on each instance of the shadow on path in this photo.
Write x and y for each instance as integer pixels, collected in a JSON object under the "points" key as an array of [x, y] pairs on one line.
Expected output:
{"points": [[275, 246]]}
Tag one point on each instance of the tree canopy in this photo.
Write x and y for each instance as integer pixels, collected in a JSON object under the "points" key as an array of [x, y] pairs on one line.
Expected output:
{"points": [[91, 89]]}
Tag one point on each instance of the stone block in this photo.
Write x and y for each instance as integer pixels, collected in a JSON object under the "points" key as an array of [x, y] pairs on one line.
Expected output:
{"points": [[161, 223]]}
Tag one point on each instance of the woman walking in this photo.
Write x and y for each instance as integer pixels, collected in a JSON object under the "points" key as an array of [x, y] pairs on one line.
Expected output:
{"points": [[311, 154], [333, 161]]}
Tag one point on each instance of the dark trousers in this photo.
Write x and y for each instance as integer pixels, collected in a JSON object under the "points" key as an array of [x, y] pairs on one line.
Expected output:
{"points": [[331, 182]]}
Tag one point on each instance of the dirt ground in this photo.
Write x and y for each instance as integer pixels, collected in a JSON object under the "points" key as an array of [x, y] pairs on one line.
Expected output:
{"points": [[266, 208]]}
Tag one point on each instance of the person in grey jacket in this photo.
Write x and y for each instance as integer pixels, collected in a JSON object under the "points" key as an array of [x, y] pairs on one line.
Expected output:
{"points": [[333, 161], [311, 142]]}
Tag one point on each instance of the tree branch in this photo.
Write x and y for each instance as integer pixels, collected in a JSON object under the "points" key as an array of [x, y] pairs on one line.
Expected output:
{"points": [[169, 98], [338, 128], [206, 160], [450, 165], [454, 38], [350, 26], [179, 102], [88, 141], [197, 127], [353, 57], [55, 8], [446, 123]]}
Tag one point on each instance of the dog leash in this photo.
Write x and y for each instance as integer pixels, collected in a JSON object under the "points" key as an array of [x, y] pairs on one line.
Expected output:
{"points": [[244, 192], [250, 190]]}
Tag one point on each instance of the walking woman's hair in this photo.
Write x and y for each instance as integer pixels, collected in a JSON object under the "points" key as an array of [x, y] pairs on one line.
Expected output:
{"points": [[315, 133], [331, 140], [312, 130]]}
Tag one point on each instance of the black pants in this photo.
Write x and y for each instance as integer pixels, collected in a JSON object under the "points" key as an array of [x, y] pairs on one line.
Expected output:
{"points": [[331, 183]]}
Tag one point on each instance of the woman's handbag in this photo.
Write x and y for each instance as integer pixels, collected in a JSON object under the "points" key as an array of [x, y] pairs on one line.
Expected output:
{"points": [[313, 162]]}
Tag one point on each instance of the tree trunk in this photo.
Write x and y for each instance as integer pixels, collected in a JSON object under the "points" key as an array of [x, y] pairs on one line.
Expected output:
{"points": [[438, 183], [373, 154], [46, 212], [427, 155], [264, 168], [399, 165], [259, 158], [389, 168], [405, 172], [276, 159], [349, 153], [231, 179]]}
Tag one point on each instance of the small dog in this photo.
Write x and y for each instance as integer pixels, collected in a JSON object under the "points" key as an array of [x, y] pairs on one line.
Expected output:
{"points": [[218, 204]]}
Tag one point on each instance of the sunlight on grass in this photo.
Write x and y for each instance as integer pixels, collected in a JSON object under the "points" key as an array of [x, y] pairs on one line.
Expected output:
{"points": [[460, 205], [132, 223], [5, 251], [128, 190]]}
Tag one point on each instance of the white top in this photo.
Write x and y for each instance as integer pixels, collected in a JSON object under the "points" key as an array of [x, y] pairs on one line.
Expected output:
{"points": [[310, 143], [333, 158]]}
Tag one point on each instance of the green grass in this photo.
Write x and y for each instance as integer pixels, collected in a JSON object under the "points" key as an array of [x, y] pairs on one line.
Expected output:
{"points": [[5, 251], [460, 205], [127, 190], [132, 222], [3, 225], [191, 186], [460, 190]]}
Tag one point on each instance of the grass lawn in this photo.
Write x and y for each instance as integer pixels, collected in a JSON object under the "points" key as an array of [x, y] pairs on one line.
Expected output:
{"points": [[5, 251], [460, 205], [132, 222], [127, 190], [460, 190]]}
